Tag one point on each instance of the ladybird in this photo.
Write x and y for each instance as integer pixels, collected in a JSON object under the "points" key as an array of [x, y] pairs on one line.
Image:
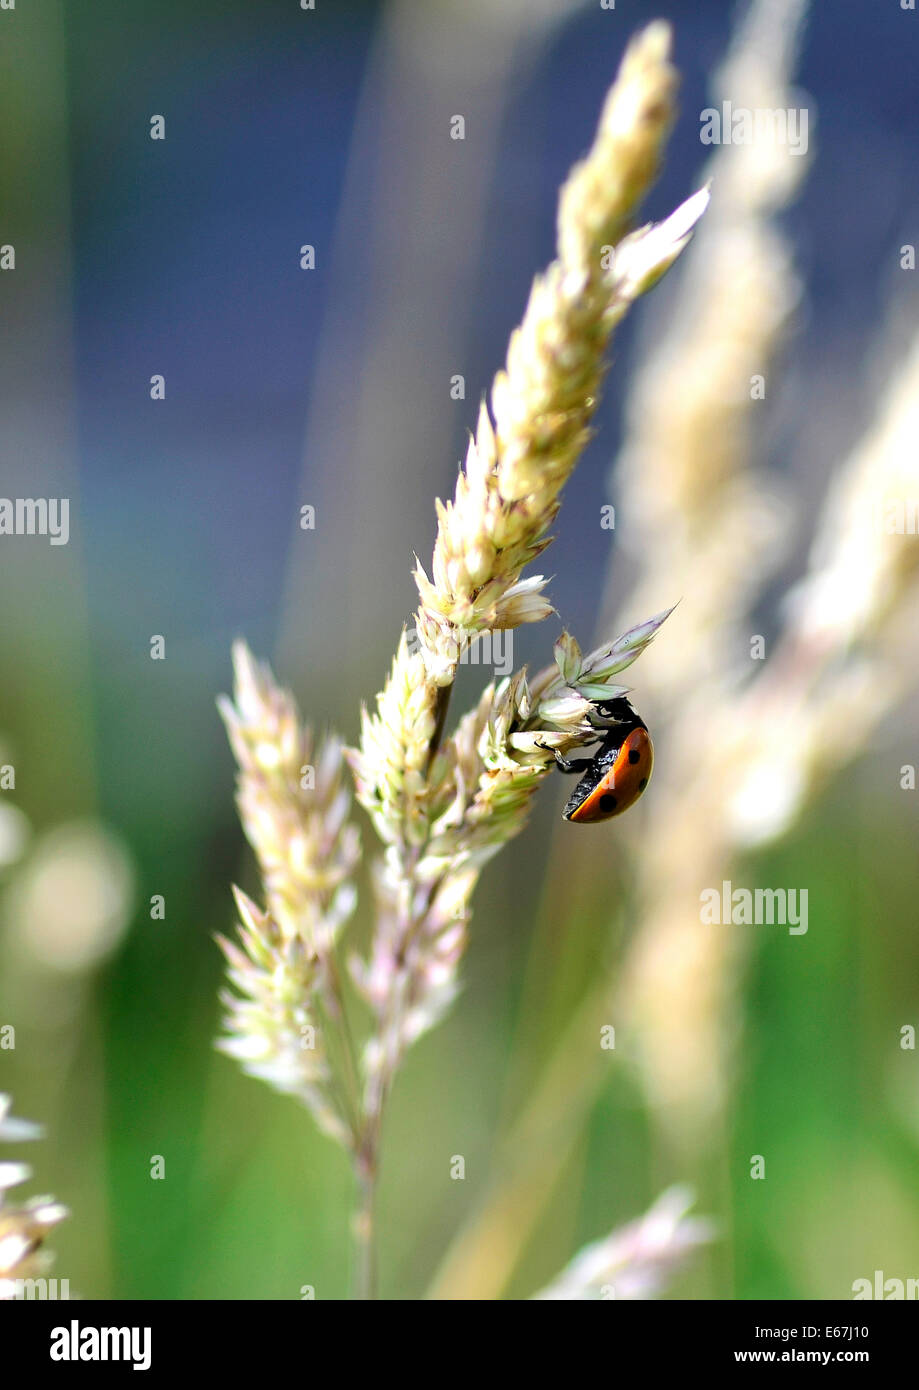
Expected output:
{"points": [[617, 774]]}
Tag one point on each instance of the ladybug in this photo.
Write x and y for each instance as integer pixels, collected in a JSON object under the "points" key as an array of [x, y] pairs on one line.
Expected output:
{"points": [[617, 774]]}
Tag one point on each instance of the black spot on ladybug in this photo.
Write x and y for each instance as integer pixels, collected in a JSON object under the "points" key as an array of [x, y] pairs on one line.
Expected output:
{"points": [[642, 784], [607, 803], [634, 755]]}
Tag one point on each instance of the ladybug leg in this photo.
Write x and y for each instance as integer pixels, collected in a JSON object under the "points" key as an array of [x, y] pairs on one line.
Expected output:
{"points": [[610, 714], [569, 765], [600, 721], [572, 765]]}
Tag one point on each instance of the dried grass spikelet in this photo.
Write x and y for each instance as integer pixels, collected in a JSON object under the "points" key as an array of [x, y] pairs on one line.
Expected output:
{"points": [[23, 1229], [293, 803], [391, 765], [294, 806], [542, 403], [508, 495], [272, 1023], [638, 1260], [482, 785], [443, 809]]}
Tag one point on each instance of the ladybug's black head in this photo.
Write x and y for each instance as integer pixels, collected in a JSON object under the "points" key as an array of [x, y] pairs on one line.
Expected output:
{"points": [[619, 711]]}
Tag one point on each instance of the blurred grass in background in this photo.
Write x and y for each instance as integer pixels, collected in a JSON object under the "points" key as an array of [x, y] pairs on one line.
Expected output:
{"points": [[286, 127]]}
